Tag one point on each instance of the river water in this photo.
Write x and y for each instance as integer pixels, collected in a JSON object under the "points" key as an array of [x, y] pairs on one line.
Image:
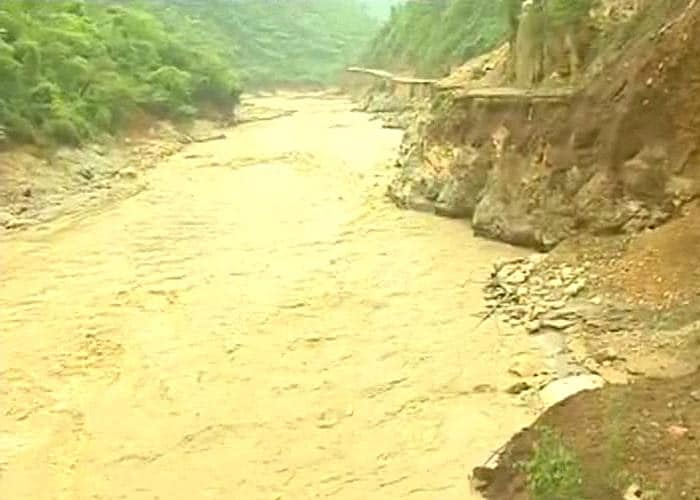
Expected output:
{"points": [[259, 323]]}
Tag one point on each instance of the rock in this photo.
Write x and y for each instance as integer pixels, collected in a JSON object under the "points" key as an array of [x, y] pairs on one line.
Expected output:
{"points": [[564, 388], [606, 354], [556, 304], [533, 326], [558, 324], [518, 277], [695, 395], [420, 204], [567, 272], [592, 365], [566, 314], [514, 321], [414, 188], [555, 283], [596, 301], [518, 388], [537, 258], [644, 178], [575, 288]]}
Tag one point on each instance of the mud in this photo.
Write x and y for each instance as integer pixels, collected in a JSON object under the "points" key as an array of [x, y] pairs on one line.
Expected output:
{"points": [[257, 322]]}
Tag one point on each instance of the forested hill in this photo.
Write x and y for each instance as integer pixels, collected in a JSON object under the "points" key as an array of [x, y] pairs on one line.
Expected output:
{"points": [[427, 37], [289, 41], [73, 70]]}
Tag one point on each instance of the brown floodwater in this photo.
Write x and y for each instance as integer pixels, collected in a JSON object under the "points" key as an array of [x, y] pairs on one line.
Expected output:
{"points": [[258, 323]]}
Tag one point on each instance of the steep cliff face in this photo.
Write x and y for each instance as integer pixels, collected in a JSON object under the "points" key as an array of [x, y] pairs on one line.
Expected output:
{"points": [[534, 167]]}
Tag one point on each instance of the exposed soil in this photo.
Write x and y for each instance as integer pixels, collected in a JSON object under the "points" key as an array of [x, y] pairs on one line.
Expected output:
{"points": [[661, 267], [645, 434], [644, 332]]}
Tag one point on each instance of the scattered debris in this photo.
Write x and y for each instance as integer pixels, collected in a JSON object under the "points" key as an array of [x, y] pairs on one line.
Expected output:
{"points": [[527, 292]]}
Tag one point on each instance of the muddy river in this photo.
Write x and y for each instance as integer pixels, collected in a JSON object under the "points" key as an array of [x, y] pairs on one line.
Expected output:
{"points": [[259, 323]]}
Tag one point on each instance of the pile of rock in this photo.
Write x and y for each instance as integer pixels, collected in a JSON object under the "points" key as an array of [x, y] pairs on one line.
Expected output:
{"points": [[538, 297]]}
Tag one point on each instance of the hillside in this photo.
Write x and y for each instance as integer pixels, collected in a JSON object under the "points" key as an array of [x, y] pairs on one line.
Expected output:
{"points": [[296, 42], [72, 71], [428, 38]]}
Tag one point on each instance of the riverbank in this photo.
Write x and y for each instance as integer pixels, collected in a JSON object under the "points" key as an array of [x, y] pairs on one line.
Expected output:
{"points": [[41, 185], [613, 202], [627, 313]]}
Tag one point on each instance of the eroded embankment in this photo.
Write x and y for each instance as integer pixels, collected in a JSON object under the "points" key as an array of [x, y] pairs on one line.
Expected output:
{"points": [[618, 155]]}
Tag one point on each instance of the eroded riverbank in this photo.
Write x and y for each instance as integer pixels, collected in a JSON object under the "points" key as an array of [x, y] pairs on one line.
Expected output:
{"points": [[257, 323]]}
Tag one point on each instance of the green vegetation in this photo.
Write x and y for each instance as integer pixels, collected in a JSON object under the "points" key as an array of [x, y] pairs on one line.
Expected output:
{"points": [[290, 41], [73, 70], [553, 471], [297, 41], [429, 37]]}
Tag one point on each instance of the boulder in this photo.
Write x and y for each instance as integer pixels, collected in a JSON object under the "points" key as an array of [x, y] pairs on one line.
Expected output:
{"points": [[461, 192], [562, 389]]}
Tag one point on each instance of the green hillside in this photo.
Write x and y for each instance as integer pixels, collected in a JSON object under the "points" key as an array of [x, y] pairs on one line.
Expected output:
{"points": [[428, 37], [296, 41], [72, 70]]}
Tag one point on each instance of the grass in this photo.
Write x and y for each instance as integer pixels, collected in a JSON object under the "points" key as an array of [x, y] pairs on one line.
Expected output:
{"points": [[554, 471]]}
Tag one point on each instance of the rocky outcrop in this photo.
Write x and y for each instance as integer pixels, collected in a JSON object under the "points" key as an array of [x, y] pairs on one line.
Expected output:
{"points": [[620, 157]]}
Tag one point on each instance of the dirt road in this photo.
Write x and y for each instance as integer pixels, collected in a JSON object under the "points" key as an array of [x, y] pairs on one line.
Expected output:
{"points": [[259, 323]]}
